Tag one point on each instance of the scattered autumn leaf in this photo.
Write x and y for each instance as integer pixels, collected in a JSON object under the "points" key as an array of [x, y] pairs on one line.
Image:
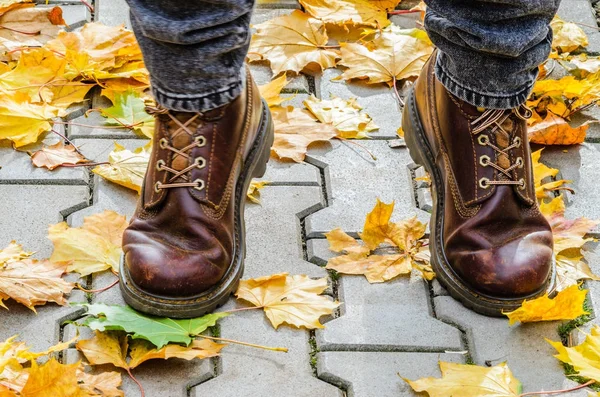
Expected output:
{"points": [[253, 193], [271, 91], [541, 172], [125, 167], [91, 248], [566, 305], [395, 54], [54, 156], [13, 252], [129, 111], [584, 357], [470, 381], [292, 42], [344, 115], [158, 330], [30, 26], [295, 130], [294, 300], [567, 36], [555, 130], [105, 384], [32, 282], [353, 12], [22, 122], [8, 5]]}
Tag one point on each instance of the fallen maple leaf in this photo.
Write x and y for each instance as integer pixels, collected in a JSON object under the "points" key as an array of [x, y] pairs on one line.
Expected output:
{"points": [[555, 130], [395, 54], [253, 193], [22, 122], [13, 252], [569, 238], [271, 91], [354, 12], [295, 130], [567, 36], [52, 379], [54, 156], [584, 357], [566, 305], [105, 384], [406, 235], [294, 300], [125, 167], [129, 111], [470, 381], [32, 283], [292, 42], [158, 330], [29, 26], [541, 172], [91, 248], [343, 115]]}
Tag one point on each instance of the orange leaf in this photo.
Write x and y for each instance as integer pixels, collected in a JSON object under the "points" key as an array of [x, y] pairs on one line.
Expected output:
{"points": [[555, 130], [53, 379], [56, 16]]}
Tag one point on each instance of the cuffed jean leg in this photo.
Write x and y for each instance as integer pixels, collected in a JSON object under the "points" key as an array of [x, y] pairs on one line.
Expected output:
{"points": [[490, 50], [194, 49]]}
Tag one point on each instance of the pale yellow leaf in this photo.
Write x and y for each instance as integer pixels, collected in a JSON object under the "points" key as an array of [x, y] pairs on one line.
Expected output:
{"points": [[126, 168]]}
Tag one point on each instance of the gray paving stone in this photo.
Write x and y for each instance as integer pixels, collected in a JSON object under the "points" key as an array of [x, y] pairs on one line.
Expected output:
{"points": [[280, 171], [262, 74], [367, 374], [29, 209], [255, 372], [581, 11], [113, 13], [377, 100], [356, 181], [522, 346]]}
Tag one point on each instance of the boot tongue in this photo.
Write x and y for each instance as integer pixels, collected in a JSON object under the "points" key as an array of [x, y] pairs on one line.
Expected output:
{"points": [[180, 138], [503, 138]]}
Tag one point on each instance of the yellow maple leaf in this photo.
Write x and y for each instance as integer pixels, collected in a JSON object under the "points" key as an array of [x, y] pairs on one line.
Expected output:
{"points": [[125, 167], [114, 347], [567, 36], [342, 114], [294, 300], [395, 54], [469, 381], [52, 379], [30, 26], [585, 357], [22, 122], [93, 247], [31, 282], [355, 12], [54, 156], [253, 193], [271, 91], [292, 42], [541, 172], [295, 130], [566, 305], [554, 130], [13, 252]]}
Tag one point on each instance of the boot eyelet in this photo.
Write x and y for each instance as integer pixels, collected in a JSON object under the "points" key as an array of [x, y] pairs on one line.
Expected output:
{"points": [[199, 185], [200, 141], [520, 162], [159, 165], [483, 140], [157, 187], [518, 141], [484, 183], [200, 162], [522, 185], [484, 160], [163, 143]]}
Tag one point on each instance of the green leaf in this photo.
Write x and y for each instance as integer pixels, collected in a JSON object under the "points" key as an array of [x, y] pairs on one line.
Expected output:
{"points": [[129, 111], [157, 330]]}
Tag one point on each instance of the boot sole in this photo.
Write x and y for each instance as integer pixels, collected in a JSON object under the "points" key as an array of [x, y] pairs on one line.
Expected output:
{"points": [[422, 154], [254, 167]]}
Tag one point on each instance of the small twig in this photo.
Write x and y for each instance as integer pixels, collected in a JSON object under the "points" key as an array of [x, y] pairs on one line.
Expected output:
{"points": [[330, 46], [394, 81], [241, 309], [373, 157], [591, 382], [137, 382], [90, 126], [86, 164], [99, 289], [586, 26], [68, 141], [400, 12], [277, 349]]}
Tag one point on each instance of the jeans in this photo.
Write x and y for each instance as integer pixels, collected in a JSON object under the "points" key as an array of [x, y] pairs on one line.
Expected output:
{"points": [[489, 54]]}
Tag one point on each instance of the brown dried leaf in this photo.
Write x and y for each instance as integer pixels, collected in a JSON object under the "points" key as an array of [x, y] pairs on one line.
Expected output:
{"points": [[555, 130], [56, 155]]}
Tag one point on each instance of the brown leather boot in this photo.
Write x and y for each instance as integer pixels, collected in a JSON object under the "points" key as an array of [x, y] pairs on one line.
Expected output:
{"points": [[490, 245], [184, 248]]}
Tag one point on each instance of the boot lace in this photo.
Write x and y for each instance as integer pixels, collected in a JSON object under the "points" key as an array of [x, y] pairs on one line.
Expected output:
{"points": [[198, 142], [494, 118]]}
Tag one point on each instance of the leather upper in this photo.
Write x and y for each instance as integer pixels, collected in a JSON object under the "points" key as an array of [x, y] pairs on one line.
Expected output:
{"points": [[181, 240], [495, 238]]}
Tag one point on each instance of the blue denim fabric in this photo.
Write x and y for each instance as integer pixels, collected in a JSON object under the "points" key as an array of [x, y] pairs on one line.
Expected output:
{"points": [[194, 49], [490, 50]]}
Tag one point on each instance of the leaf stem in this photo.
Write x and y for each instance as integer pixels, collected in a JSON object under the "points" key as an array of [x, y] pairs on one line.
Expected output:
{"points": [[137, 382], [591, 382], [87, 5], [99, 289], [400, 12], [276, 349], [68, 141], [85, 164], [241, 309], [394, 81]]}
